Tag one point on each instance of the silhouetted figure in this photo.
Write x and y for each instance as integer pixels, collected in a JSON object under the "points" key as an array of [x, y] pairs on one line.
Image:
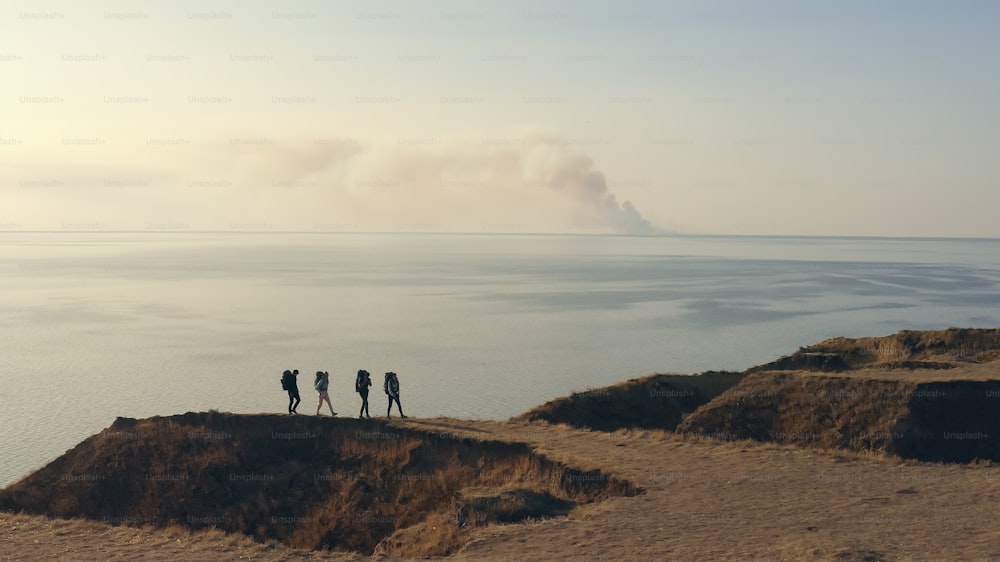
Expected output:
{"points": [[391, 387], [361, 385], [322, 385], [290, 383]]}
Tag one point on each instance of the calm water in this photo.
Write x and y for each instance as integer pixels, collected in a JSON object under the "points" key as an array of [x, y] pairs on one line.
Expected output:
{"points": [[99, 325]]}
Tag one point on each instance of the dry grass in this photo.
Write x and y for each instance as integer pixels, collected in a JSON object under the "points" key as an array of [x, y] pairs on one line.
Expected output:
{"points": [[923, 414], [34, 537], [655, 401], [989, 370], [902, 394], [704, 500], [707, 500], [819, 411], [930, 349], [306, 482]]}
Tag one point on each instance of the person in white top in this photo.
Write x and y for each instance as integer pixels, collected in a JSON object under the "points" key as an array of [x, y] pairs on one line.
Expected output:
{"points": [[322, 386]]}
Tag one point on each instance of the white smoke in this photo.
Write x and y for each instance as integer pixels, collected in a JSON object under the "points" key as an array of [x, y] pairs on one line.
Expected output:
{"points": [[531, 183], [534, 183], [552, 165]]}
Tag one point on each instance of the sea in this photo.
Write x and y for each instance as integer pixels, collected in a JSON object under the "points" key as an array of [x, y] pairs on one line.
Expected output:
{"points": [[100, 324]]}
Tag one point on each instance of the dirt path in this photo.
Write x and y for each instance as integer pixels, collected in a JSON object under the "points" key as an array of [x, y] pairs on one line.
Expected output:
{"points": [[740, 501], [703, 501]]}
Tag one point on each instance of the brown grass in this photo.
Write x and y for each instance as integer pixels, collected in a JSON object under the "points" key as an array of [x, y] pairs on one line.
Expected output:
{"points": [[917, 414], [905, 394], [819, 411], [313, 483], [704, 500], [907, 349], [36, 537], [655, 401]]}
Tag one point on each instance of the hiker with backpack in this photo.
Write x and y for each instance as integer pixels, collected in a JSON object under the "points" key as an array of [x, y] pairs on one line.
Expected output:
{"points": [[391, 387], [361, 385], [290, 384], [322, 386]]}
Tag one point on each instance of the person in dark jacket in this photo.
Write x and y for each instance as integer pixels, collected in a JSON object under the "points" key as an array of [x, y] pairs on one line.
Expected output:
{"points": [[322, 386], [361, 385], [391, 387], [291, 385]]}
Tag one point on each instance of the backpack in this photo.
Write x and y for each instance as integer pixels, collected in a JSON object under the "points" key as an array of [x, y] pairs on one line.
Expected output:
{"points": [[285, 380], [361, 383]]}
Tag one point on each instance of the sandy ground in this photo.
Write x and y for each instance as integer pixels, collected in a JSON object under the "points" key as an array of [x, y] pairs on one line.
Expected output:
{"points": [[704, 501]]}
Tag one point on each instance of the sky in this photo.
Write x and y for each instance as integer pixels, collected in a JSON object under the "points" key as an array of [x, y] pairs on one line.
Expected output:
{"points": [[852, 118]]}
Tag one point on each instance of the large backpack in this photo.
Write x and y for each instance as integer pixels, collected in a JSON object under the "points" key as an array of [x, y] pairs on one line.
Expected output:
{"points": [[285, 380], [361, 383]]}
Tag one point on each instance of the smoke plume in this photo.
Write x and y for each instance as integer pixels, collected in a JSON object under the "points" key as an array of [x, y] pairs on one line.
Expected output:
{"points": [[530, 183]]}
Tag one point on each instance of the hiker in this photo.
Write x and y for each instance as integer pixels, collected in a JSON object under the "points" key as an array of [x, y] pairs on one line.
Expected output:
{"points": [[391, 387], [361, 385], [290, 384], [322, 385]]}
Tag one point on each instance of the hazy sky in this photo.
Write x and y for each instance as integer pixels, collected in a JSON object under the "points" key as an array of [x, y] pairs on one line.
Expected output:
{"points": [[730, 117]]}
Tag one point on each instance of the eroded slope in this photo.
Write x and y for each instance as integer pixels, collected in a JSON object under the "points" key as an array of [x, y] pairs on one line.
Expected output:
{"points": [[361, 485]]}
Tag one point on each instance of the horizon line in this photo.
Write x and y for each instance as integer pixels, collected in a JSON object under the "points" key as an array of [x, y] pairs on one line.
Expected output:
{"points": [[495, 233]]}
